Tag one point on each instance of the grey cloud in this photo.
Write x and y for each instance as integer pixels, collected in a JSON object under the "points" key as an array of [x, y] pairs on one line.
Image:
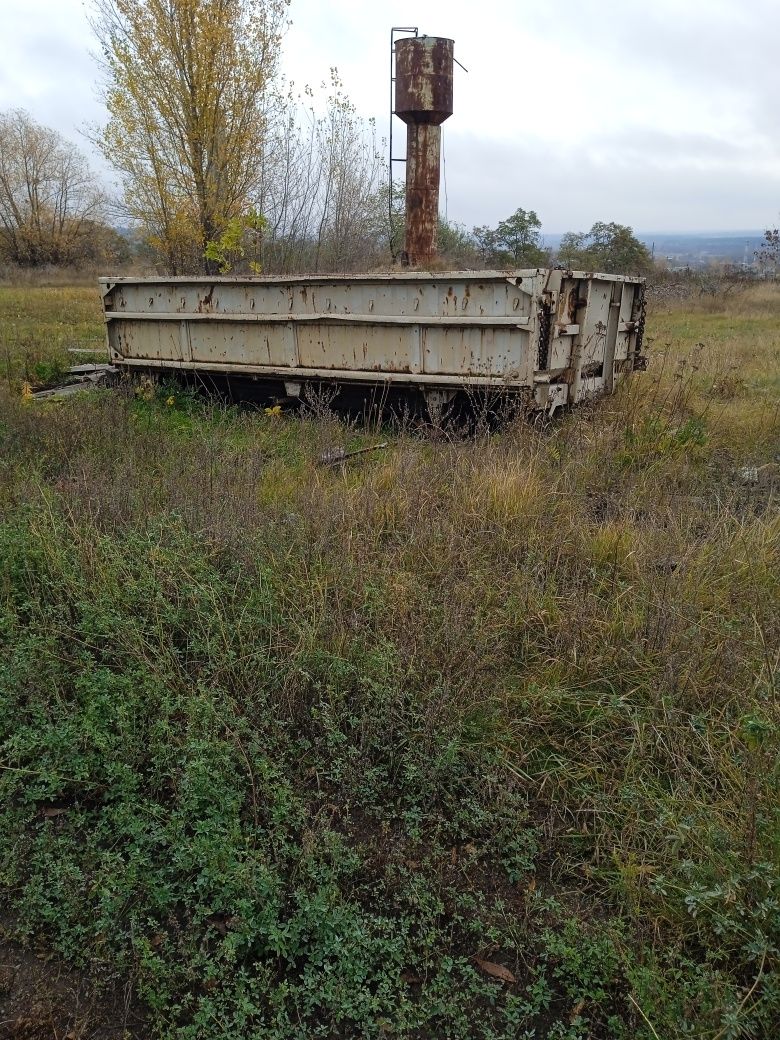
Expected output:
{"points": [[711, 53], [660, 149], [53, 77], [487, 181], [727, 48]]}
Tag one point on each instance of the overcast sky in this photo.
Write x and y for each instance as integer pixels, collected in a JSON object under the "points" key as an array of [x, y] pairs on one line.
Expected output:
{"points": [[660, 114]]}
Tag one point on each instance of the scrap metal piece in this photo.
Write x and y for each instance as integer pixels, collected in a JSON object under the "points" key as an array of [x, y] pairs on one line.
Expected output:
{"points": [[86, 377], [336, 456]]}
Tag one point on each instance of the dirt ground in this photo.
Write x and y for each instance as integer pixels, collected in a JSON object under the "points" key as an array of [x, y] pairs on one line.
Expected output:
{"points": [[40, 999]]}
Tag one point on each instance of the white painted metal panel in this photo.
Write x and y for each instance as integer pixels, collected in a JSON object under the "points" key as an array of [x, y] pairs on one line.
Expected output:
{"points": [[525, 330]]}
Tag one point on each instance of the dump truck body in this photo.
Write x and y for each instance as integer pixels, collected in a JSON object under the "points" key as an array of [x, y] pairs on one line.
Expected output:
{"points": [[555, 336]]}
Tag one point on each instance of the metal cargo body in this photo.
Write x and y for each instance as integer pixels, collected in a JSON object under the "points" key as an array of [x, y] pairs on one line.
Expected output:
{"points": [[554, 336]]}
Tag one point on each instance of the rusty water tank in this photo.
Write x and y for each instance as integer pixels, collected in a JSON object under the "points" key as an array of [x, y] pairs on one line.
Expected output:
{"points": [[423, 100]]}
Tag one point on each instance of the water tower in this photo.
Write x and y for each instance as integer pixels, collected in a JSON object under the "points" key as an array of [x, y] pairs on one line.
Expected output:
{"points": [[423, 100]]}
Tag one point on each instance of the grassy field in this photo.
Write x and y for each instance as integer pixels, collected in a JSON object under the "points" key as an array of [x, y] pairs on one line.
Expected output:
{"points": [[477, 738], [38, 327]]}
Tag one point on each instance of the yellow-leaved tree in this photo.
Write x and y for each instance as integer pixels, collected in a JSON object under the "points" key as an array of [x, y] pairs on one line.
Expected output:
{"points": [[188, 85]]}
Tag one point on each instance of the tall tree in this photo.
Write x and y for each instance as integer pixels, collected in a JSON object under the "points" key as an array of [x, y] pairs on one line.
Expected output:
{"points": [[325, 193], [48, 194], [514, 242], [768, 256], [188, 85], [611, 248]]}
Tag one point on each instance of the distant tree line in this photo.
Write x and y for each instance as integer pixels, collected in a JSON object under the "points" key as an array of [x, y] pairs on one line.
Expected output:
{"points": [[321, 205]]}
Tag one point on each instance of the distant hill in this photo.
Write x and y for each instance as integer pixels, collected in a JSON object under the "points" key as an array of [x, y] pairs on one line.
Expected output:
{"points": [[694, 249]]}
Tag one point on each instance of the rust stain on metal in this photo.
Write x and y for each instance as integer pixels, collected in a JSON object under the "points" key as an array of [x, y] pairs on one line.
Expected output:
{"points": [[423, 152], [206, 303], [573, 303], [423, 89]]}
